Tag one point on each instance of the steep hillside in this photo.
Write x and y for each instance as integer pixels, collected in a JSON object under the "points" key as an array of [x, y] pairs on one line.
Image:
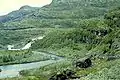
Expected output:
{"points": [[18, 14], [103, 43], [77, 29], [60, 13], [98, 40]]}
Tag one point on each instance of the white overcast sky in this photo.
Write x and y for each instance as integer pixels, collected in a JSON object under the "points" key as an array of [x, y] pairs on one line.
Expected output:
{"points": [[7, 6]]}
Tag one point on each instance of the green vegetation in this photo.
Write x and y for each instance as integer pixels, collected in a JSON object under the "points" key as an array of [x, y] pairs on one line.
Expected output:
{"points": [[18, 37], [101, 41], [74, 29], [60, 13], [105, 71], [24, 56], [113, 18], [43, 73]]}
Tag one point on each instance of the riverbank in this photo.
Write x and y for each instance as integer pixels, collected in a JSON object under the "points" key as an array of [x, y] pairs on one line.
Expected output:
{"points": [[12, 70], [24, 56]]}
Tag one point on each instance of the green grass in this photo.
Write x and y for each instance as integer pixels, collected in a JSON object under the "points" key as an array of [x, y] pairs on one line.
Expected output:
{"points": [[104, 71], [43, 73], [18, 37], [23, 56], [93, 37]]}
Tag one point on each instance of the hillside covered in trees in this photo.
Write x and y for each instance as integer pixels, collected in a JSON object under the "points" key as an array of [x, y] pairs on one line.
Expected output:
{"points": [[73, 30], [102, 42], [58, 14]]}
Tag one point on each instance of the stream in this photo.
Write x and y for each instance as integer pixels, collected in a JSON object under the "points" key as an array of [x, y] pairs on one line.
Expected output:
{"points": [[9, 71], [13, 70]]}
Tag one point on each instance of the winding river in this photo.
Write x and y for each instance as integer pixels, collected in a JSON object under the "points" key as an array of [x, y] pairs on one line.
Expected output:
{"points": [[13, 70]]}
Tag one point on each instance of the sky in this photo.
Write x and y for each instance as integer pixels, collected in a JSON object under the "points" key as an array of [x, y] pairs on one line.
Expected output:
{"points": [[7, 6]]}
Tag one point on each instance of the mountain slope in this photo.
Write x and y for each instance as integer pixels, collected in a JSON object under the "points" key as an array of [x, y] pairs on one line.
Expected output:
{"points": [[58, 14], [87, 31], [18, 14], [62, 12]]}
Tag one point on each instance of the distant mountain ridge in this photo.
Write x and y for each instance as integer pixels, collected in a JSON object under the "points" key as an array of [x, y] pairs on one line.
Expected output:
{"points": [[18, 14], [57, 5], [59, 13]]}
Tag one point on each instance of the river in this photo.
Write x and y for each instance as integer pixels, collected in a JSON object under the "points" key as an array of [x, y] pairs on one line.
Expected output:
{"points": [[13, 70]]}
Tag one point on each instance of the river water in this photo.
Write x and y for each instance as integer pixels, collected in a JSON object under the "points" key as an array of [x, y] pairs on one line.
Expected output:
{"points": [[13, 70]]}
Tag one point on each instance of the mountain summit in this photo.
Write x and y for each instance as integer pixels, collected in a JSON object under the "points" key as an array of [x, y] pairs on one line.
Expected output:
{"points": [[26, 7], [54, 13]]}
